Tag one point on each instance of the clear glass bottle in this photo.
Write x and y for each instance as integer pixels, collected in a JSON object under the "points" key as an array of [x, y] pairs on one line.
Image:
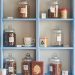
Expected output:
{"points": [[57, 37], [55, 66], [56, 9], [24, 9], [10, 65], [26, 65]]}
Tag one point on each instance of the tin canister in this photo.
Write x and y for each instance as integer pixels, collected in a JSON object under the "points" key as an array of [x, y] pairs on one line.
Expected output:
{"points": [[44, 42], [64, 13]]}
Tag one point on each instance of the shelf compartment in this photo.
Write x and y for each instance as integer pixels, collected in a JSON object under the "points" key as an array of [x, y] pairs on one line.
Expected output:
{"points": [[64, 55], [56, 19], [20, 19], [45, 5], [19, 55], [47, 30], [22, 29], [18, 48], [10, 8]]}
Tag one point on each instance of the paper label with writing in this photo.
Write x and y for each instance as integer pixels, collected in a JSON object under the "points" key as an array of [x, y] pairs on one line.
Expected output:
{"points": [[25, 67], [59, 38], [51, 68], [52, 9], [24, 11], [11, 69], [11, 39]]}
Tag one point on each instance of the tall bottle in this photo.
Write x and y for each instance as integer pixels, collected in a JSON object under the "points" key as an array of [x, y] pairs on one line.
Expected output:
{"points": [[10, 65], [55, 66], [26, 65], [56, 9]]}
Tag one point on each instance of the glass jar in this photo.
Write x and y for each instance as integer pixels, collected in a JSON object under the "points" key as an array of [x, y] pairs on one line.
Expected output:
{"points": [[57, 37], [24, 9], [53, 10], [9, 37], [26, 65], [10, 65], [55, 66]]}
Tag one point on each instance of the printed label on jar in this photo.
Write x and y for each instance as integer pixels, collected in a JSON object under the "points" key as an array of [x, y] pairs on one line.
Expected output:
{"points": [[51, 68], [24, 11], [52, 9], [11, 39], [43, 42], [11, 69], [25, 67], [59, 37]]}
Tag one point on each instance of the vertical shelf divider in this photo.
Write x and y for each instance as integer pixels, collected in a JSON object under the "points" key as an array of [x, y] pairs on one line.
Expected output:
{"points": [[74, 38], [1, 34], [37, 29]]}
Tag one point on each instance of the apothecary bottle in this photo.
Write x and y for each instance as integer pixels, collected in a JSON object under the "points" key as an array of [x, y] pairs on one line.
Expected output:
{"points": [[24, 9], [26, 65], [53, 10], [57, 37], [10, 65], [55, 66], [9, 37]]}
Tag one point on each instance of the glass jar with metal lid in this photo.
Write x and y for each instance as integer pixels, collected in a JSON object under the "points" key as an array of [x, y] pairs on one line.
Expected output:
{"points": [[10, 65], [55, 66], [57, 37], [9, 37], [26, 65], [24, 9]]}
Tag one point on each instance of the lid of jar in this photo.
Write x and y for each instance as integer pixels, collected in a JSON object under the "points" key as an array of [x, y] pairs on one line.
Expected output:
{"points": [[56, 2], [7, 59], [63, 9], [59, 31], [23, 2], [27, 57], [55, 60], [10, 58], [9, 30]]}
